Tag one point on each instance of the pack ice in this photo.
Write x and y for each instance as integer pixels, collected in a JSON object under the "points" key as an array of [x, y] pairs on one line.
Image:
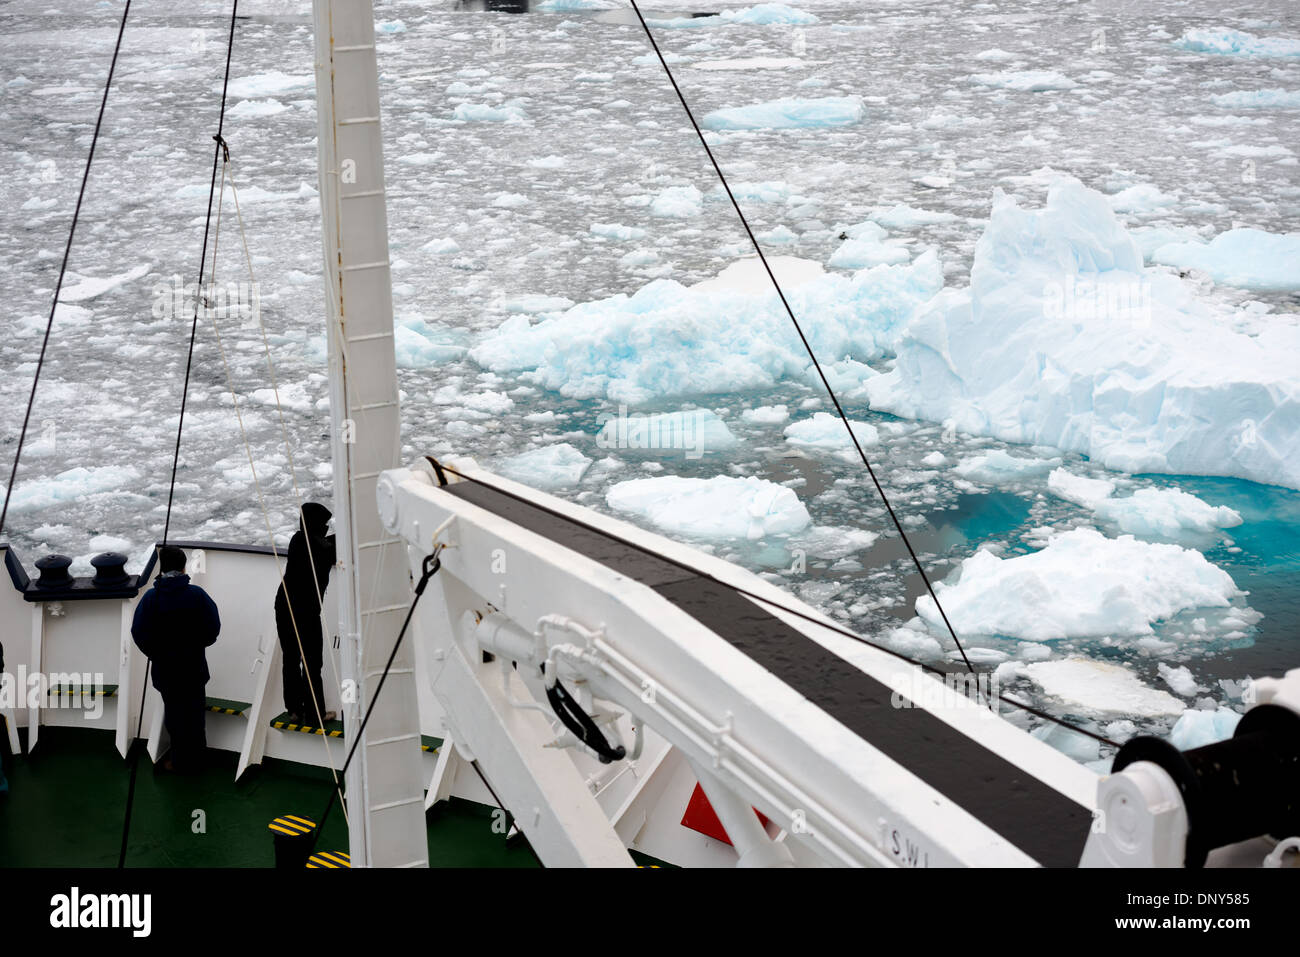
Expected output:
{"points": [[1064, 338]]}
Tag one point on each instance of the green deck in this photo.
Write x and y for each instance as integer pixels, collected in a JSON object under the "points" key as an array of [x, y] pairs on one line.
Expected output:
{"points": [[66, 804]]}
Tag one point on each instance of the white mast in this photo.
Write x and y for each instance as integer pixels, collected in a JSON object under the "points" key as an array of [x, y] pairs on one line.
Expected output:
{"points": [[384, 786]]}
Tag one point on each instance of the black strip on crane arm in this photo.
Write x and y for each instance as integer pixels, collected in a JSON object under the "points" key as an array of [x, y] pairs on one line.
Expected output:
{"points": [[1041, 821]]}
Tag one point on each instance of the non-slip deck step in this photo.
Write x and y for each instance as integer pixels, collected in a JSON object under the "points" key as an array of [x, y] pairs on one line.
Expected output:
{"points": [[332, 729], [227, 706], [90, 691]]}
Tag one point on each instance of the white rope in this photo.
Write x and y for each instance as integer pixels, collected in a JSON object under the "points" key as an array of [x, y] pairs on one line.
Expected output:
{"points": [[243, 433], [284, 432]]}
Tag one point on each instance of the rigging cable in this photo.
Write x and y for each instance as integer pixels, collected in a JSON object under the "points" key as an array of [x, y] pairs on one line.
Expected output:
{"points": [[284, 433], [252, 466], [63, 268], [430, 568], [217, 148], [807, 346], [189, 362], [444, 468]]}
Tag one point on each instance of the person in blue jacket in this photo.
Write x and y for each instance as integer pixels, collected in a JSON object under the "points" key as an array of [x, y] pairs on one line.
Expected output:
{"points": [[174, 625]]}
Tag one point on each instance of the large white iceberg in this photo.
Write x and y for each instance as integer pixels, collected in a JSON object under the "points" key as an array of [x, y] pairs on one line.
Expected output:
{"points": [[1081, 585], [720, 336], [1064, 338], [789, 113], [722, 507]]}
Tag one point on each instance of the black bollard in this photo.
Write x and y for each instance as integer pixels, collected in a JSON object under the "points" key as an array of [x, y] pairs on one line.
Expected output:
{"points": [[294, 838]]}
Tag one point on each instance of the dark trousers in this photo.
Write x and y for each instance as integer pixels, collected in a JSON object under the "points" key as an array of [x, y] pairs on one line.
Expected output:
{"points": [[303, 692], [185, 715]]}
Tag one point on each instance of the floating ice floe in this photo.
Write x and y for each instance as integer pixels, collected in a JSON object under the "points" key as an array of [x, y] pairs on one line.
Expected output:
{"points": [[1196, 729], [71, 486], [769, 192], [908, 217], [441, 247], [89, 287], [1027, 354], [1079, 490], [274, 83], [1151, 238], [483, 113], [999, 466], [1101, 687], [762, 14], [553, 466], [1165, 512], [832, 542], [1180, 679], [1142, 198], [678, 202], [866, 246], [1249, 258], [617, 231], [419, 345], [1237, 43], [727, 334], [789, 113], [573, 6], [1025, 81], [1271, 99], [1162, 512], [691, 432], [1081, 585], [721, 508], [770, 14], [750, 63], [826, 431], [248, 109], [529, 305], [766, 415]]}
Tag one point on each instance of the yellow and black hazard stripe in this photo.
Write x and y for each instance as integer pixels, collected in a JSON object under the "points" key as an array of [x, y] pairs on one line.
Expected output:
{"points": [[334, 859], [306, 728], [291, 825]]}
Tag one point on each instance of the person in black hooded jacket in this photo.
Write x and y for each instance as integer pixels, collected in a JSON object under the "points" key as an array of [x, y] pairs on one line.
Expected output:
{"points": [[297, 615], [174, 624]]}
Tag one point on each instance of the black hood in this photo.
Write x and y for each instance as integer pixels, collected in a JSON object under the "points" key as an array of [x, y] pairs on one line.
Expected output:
{"points": [[315, 519]]}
